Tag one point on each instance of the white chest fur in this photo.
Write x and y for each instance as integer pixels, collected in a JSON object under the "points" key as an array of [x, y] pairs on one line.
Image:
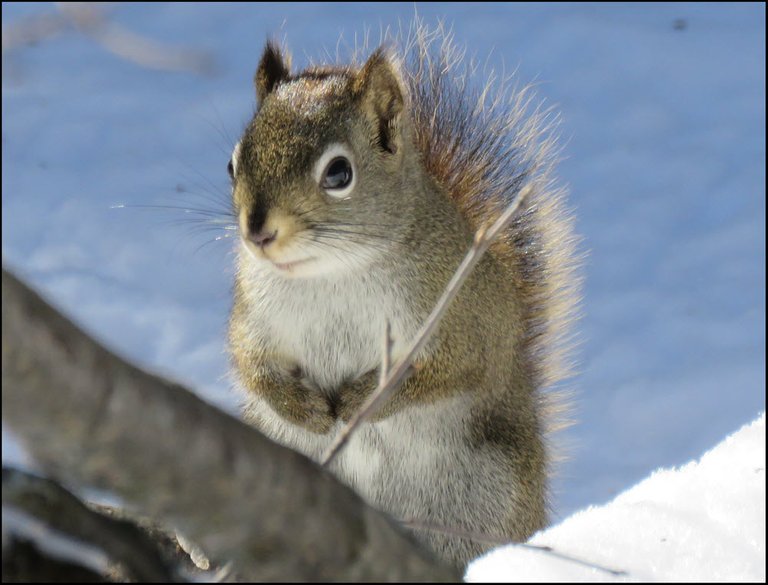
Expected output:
{"points": [[333, 328], [417, 463]]}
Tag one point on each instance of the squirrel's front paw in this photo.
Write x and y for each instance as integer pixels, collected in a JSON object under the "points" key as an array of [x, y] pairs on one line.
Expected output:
{"points": [[302, 403], [348, 405], [353, 395], [317, 415]]}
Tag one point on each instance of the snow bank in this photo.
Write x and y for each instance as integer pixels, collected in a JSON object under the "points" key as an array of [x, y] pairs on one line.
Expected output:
{"points": [[704, 521]]}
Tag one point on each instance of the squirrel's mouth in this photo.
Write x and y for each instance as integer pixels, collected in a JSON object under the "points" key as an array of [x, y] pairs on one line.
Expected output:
{"points": [[289, 266], [285, 267]]}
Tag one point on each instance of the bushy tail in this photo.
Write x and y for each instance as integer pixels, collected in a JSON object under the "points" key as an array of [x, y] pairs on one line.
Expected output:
{"points": [[483, 144]]}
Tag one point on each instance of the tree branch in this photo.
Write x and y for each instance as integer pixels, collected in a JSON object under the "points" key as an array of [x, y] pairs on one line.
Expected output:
{"points": [[62, 512], [90, 418]]}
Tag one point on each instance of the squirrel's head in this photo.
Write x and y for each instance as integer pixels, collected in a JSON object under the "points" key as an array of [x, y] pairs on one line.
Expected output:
{"points": [[320, 177]]}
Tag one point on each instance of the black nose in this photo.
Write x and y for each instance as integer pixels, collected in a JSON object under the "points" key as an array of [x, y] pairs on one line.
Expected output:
{"points": [[257, 219]]}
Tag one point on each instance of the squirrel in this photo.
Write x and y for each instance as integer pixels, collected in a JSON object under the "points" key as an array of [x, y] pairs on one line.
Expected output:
{"points": [[357, 190]]}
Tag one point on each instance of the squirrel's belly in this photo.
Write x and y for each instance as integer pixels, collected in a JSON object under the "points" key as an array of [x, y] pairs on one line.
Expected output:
{"points": [[399, 464], [409, 464]]}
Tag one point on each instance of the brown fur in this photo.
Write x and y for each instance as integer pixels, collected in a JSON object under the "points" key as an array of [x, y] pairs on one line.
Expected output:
{"points": [[438, 159], [483, 145]]}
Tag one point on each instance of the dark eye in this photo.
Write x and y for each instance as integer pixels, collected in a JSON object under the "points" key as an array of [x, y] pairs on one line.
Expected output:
{"points": [[231, 169], [337, 175]]}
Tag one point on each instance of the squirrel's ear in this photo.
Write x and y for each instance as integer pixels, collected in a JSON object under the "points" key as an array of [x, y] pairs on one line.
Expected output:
{"points": [[273, 68], [378, 90]]}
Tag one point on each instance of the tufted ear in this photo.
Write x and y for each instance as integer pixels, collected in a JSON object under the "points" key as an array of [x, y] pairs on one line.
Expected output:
{"points": [[378, 91], [273, 68]]}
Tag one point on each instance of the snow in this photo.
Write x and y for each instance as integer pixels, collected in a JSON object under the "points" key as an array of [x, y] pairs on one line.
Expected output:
{"points": [[704, 521], [664, 152]]}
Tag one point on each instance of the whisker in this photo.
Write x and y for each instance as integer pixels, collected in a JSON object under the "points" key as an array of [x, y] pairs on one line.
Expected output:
{"points": [[351, 234], [209, 242], [334, 241], [345, 238], [183, 208], [206, 180]]}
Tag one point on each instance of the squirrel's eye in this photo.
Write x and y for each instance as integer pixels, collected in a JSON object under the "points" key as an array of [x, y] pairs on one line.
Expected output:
{"points": [[231, 169], [337, 175], [334, 172]]}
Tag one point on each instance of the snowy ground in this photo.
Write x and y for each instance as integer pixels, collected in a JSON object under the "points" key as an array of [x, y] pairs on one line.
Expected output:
{"points": [[664, 121], [704, 522]]}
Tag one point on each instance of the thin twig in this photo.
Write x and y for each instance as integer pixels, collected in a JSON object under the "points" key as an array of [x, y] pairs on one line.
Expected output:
{"points": [[369, 406], [404, 366], [503, 541], [386, 360]]}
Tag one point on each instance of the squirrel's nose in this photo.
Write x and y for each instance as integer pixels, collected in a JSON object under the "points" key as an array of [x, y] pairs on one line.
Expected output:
{"points": [[256, 227], [263, 238]]}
